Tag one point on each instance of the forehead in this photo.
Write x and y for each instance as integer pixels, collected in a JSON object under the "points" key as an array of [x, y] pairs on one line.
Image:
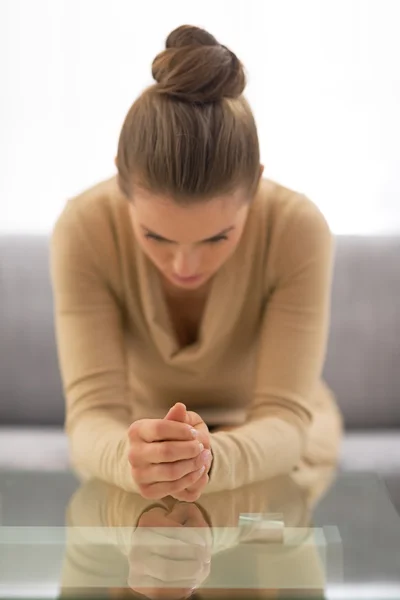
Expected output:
{"points": [[197, 221]]}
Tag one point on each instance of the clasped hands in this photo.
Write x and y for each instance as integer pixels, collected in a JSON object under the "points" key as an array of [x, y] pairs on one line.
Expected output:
{"points": [[171, 456]]}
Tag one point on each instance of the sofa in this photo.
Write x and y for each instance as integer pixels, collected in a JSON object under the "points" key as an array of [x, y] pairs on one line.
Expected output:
{"points": [[362, 364]]}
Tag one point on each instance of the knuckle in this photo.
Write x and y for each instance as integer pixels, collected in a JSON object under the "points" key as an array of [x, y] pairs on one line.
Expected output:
{"points": [[195, 448], [174, 471], [177, 487], [167, 452], [135, 429], [145, 452], [158, 428], [193, 477], [132, 457]]}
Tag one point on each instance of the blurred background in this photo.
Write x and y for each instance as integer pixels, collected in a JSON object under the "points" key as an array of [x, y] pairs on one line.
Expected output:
{"points": [[324, 85]]}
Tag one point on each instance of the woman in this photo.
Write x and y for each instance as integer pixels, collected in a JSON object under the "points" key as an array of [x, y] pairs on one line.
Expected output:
{"points": [[192, 297]]}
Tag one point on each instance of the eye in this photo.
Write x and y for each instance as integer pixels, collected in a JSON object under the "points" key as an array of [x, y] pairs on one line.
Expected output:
{"points": [[218, 238], [157, 238]]}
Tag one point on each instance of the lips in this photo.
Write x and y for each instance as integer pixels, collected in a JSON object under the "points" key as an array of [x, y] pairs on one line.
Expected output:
{"points": [[187, 279]]}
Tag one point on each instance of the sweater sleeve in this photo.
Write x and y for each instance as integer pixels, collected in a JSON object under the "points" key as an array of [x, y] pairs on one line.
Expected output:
{"points": [[293, 342], [89, 332]]}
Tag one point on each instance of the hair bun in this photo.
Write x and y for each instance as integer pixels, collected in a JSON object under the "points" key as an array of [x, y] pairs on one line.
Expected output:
{"points": [[188, 35], [194, 67]]}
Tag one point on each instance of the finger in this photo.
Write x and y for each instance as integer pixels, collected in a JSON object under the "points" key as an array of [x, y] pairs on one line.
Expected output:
{"points": [[159, 430], [194, 419], [175, 542], [153, 588], [193, 493], [177, 413], [199, 484], [168, 551], [182, 552], [155, 518], [180, 538], [189, 515], [168, 571], [149, 540], [169, 488], [173, 471], [164, 452], [198, 424]]}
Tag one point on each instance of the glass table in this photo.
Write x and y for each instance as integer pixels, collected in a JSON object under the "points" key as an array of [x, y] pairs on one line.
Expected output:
{"points": [[326, 535]]}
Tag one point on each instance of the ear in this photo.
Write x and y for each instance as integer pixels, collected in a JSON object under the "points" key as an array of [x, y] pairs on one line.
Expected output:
{"points": [[116, 162], [261, 170]]}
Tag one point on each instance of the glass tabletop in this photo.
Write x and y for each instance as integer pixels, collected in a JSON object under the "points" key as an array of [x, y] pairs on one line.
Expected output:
{"points": [[321, 535]]}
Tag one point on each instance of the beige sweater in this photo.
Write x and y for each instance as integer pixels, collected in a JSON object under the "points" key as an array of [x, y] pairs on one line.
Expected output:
{"points": [[259, 358]]}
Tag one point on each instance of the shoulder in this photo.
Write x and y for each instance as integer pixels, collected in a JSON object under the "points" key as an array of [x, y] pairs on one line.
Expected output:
{"points": [[280, 208], [94, 209], [291, 228], [94, 224]]}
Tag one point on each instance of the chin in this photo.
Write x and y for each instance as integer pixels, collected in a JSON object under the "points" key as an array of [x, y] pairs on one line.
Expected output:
{"points": [[188, 286], [191, 283]]}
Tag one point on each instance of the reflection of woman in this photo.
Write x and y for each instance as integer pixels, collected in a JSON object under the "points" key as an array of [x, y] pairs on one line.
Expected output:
{"points": [[189, 278], [163, 549]]}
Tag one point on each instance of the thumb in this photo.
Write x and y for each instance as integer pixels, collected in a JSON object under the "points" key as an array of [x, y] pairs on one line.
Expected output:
{"points": [[177, 413]]}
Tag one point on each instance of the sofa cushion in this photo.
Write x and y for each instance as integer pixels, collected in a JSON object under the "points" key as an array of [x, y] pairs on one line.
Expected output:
{"points": [[33, 448], [30, 385], [363, 359], [371, 451]]}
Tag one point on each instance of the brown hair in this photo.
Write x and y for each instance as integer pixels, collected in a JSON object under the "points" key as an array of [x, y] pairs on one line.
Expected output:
{"points": [[192, 135]]}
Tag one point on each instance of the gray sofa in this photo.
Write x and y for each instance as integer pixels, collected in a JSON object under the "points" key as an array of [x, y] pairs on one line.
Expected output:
{"points": [[362, 364]]}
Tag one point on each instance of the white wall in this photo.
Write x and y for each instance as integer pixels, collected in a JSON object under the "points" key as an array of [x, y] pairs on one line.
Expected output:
{"points": [[324, 83]]}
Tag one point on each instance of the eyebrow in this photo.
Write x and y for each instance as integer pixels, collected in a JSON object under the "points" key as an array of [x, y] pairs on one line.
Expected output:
{"points": [[223, 232]]}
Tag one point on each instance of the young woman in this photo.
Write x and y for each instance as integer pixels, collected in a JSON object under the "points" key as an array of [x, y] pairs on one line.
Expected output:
{"points": [[192, 297]]}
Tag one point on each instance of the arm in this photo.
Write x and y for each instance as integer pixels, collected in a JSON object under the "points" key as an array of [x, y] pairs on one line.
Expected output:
{"points": [[293, 341], [89, 331]]}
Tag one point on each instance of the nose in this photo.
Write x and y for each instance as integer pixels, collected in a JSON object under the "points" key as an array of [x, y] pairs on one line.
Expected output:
{"points": [[186, 263]]}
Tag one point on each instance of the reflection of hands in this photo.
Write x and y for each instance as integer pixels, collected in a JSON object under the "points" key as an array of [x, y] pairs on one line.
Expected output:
{"points": [[102, 517], [171, 552]]}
